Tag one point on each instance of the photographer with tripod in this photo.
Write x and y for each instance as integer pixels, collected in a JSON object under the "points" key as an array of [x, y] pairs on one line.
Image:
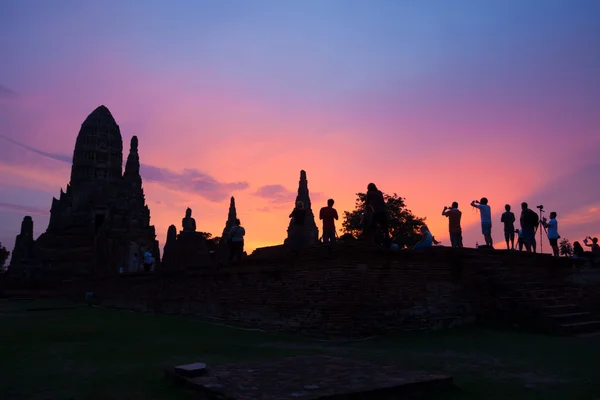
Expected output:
{"points": [[551, 228]]}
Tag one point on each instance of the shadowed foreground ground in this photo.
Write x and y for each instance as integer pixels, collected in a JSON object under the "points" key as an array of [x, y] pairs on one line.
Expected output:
{"points": [[94, 353]]}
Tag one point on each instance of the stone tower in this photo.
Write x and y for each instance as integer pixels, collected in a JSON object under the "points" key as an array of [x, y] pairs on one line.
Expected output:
{"points": [[24, 252], [311, 232], [101, 220], [98, 155], [231, 217]]}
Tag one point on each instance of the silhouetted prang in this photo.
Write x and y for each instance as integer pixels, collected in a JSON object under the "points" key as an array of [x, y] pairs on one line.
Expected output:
{"points": [[231, 217], [23, 254], [101, 221], [310, 232]]}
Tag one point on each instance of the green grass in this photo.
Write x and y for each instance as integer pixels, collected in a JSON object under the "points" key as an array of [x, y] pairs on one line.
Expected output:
{"points": [[94, 353]]}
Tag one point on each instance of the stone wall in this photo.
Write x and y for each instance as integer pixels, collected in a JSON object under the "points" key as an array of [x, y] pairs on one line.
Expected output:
{"points": [[351, 291]]}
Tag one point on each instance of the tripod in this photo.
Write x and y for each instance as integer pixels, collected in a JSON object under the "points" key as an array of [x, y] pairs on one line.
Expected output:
{"points": [[544, 229]]}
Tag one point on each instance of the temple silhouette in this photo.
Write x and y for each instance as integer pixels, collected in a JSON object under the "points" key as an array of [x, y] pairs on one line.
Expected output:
{"points": [[101, 221]]}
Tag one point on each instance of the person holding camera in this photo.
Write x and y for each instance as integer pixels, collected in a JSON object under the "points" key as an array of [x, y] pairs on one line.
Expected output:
{"points": [[553, 236], [486, 219], [454, 215], [594, 245], [508, 219]]}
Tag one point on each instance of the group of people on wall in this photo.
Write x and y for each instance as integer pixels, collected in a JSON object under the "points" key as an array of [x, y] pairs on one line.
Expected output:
{"points": [[375, 219], [530, 223]]}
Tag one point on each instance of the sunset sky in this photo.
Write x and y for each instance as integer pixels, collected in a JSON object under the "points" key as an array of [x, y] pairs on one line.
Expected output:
{"points": [[435, 100]]}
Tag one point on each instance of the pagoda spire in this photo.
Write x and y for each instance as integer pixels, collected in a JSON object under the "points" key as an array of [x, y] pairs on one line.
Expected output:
{"points": [[231, 217], [132, 167], [311, 232]]}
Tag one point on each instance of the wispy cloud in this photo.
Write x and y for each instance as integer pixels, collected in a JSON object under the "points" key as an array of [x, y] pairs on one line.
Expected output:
{"points": [[52, 156], [276, 194], [23, 209], [189, 180]]}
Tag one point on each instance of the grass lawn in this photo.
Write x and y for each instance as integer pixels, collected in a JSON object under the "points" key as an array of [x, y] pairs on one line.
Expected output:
{"points": [[94, 353]]}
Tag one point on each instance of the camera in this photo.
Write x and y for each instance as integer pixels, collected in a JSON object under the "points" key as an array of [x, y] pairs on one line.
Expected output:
{"points": [[540, 207], [475, 201]]}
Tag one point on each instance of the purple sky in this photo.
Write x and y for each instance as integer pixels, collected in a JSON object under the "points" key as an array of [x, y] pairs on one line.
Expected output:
{"points": [[434, 100]]}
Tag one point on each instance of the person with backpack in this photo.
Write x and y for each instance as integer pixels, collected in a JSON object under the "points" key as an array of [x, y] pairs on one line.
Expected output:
{"points": [[236, 241], [529, 223]]}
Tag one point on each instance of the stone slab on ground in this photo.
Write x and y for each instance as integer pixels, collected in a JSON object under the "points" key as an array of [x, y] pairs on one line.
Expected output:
{"points": [[313, 377], [191, 370]]}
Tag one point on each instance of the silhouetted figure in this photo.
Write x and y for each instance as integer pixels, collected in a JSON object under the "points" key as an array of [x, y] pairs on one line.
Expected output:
{"points": [[148, 261], [328, 215], [366, 224], [508, 219], [427, 238], [529, 222], [454, 215], [486, 219], [553, 236], [379, 219], [236, 242], [298, 216], [188, 223], [594, 245], [578, 251], [520, 239]]}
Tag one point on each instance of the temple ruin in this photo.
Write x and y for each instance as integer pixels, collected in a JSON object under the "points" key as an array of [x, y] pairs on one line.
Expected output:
{"points": [[310, 231], [101, 222], [231, 217], [188, 249]]}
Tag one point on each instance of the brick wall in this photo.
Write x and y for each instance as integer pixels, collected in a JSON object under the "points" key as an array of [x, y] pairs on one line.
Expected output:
{"points": [[353, 290]]}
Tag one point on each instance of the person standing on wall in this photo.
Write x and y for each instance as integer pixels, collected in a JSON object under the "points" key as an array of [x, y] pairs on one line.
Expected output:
{"points": [[454, 215], [236, 242], [486, 219], [553, 236], [508, 219], [376, 200], [529, 222], [328, 215]]}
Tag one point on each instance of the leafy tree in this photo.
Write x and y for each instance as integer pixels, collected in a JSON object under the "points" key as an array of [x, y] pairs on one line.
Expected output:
{"points": [[212, 243], [3, 255], [403, 225], [565, 248]]}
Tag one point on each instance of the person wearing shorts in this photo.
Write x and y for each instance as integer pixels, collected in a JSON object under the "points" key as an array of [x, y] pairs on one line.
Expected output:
{"points": [[486, 219], [508, 219], [553, 236]]}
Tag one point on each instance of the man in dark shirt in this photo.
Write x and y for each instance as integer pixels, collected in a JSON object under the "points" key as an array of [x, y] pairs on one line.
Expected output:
{"points": [[376, 201], [454, 215], [328, 215], [529, 221], [508, 218]]}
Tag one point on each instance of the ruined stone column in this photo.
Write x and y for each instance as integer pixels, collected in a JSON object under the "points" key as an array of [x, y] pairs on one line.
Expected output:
{"points": [[231, 217], [310, 232]]}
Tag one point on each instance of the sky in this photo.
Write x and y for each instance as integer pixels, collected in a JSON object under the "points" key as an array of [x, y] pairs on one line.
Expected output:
{"points": [[435, 100]]}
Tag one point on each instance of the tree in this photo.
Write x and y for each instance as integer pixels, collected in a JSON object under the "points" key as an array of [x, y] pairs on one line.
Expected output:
{"points": [[403, 224], [565, 248], [3, 255], [212, 243]]}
